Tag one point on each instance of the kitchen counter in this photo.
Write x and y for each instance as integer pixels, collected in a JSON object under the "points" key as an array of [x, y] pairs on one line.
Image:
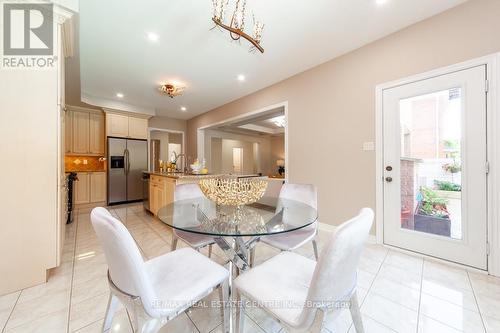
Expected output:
{"points": [[182, 175]]}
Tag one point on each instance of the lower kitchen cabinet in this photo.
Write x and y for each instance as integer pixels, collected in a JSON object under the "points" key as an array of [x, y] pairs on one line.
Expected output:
{"points": [[90, 188], [97, 187], [161, 192]]}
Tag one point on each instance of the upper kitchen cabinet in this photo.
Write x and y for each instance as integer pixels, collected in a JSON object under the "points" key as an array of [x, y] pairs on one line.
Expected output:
{"points": [[96, 138], [122, 125], [80, 132], [137, 128], [117, 125], [84, 131], [68, 135]]}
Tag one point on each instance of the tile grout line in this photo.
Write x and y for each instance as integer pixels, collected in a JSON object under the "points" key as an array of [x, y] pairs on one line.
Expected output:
{"points": [[420, 293], [11, 311], [368, 291], [475, 299], [73, 269], [191, 320]]}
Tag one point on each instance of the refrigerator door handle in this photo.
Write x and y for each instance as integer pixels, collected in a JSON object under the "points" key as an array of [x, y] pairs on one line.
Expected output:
{"points": [[127, 161]]}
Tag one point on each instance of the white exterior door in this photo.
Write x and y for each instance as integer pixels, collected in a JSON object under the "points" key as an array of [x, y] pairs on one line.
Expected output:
{"points": [[435, 167]]}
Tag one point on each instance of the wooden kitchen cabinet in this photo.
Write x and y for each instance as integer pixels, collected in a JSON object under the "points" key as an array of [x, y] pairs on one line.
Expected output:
{"points": [[117, 125], [90, 188], [137, 128], [97, 187], [161, 192], [96, 133], [68, 131], [124, 126], [80, 137], [84, 132], [82, 188]]}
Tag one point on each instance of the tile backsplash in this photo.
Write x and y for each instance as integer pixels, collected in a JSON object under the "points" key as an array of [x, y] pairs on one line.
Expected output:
{"points": [[84, 163]]}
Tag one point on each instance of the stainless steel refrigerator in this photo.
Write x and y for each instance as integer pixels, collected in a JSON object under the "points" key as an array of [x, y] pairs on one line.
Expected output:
{"points": [[127, 158]]}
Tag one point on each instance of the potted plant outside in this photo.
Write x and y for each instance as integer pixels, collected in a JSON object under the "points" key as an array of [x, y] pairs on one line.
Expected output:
{"points": [[431, 215]]}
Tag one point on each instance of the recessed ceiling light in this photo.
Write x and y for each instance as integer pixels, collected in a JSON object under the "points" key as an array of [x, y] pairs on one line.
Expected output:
{"points": [[119, 95], [183, 108], [153, 37], [241, 77], [381, 2]]}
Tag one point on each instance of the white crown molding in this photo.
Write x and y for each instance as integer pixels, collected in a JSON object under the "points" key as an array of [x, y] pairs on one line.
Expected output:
{"points": [[83, 109], [117, 107], [125, 113]]}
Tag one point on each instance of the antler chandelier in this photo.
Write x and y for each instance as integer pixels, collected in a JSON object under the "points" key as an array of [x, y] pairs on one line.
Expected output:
{"points": [[236, 27]]}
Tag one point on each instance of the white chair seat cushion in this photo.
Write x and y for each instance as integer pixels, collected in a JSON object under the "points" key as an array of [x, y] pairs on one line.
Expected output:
{"points": [[194, 240], [291, 240], [181, 277], [281, 283]]}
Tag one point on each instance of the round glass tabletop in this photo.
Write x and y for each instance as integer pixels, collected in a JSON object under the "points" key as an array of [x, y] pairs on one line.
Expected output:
{"points": [[203, 216]]}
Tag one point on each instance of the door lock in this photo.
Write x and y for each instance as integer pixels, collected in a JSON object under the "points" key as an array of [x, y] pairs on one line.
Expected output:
{"points": [[388, 179], [388, 168]]}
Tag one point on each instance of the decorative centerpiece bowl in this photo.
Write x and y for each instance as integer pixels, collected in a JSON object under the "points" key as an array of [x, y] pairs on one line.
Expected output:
{"points": [[233, 192]]}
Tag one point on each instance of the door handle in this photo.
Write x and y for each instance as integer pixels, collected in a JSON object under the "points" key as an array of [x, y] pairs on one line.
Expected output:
{"points": [[388, 179]]}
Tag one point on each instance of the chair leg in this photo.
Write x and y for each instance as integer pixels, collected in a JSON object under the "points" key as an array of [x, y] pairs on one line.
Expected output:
{"points": [[315, 248], [226, 306], [110, 312], [174, 242], [252, 257], [240, 315], [210, 251], [356, 314]]}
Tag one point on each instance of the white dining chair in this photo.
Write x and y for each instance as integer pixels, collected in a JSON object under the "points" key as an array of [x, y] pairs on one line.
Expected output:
{"points": [[196, 241], [154, 292], [300, 292], [293, 240]]}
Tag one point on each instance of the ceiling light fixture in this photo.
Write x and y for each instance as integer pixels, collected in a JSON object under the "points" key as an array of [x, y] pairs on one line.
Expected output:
{"points": [[119, 95], [241, 77], [172, 90], [381, 2], [236, 27], [153, 37], [279, 121], [183, 108]]}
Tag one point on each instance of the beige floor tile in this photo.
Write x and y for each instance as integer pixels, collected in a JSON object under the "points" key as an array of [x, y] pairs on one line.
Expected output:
{"points": [[492, 324], [429, 325], [87, 311], [89, 289], [205, 316], [395, 316], [31, 309], [57, 283], [402, 276], [451, 314], [7, 303], [56, 322], [372, 326], [404, 261], [396, 292], [457, 296], [446, 275]]}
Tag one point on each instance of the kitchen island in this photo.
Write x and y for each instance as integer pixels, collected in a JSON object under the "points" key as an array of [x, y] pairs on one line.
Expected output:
{"points": [[162, 187]]}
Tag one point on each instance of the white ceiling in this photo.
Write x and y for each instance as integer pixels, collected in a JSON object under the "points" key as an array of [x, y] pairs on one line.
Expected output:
{"points": [[116, 56]]}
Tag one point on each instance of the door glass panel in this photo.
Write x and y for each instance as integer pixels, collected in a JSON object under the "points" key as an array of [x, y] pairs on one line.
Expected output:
{"points": [[431, 132]]}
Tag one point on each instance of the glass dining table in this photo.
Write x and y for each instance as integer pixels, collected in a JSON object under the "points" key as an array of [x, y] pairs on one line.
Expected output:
{"points": [[237, 229]]}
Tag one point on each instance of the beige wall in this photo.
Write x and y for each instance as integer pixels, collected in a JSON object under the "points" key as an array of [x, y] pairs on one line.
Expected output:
{"points": [[258, 158], [277, 152], [336, 103], [167, 123]]}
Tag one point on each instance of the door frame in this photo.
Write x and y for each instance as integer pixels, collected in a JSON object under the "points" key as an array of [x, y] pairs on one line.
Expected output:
{"points": [[492, 63], [200, 131]]}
